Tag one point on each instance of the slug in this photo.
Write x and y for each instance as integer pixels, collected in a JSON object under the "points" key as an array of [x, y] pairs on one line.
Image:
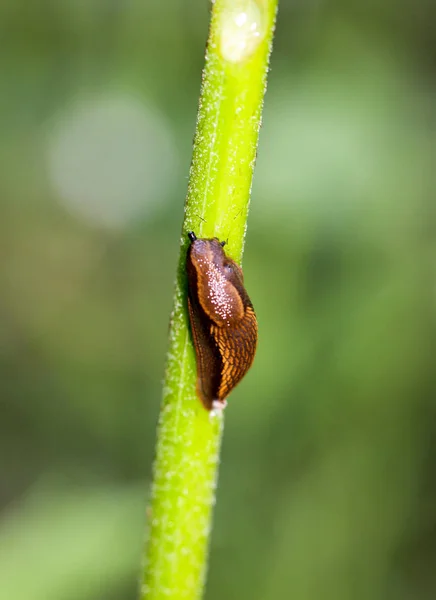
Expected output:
{"points": [[222, 319]]}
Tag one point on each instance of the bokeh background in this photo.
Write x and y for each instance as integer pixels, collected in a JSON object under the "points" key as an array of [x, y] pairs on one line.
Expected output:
{"points": [[327, 484]]}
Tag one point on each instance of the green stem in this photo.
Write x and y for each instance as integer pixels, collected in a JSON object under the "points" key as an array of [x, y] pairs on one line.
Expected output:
{"points": [[229, 118]]}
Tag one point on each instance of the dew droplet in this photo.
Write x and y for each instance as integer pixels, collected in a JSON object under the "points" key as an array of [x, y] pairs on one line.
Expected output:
{"points": [[242, 29]]}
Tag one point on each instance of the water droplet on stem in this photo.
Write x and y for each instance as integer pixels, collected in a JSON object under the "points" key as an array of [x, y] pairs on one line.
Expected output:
{"points": [[242, 28]]}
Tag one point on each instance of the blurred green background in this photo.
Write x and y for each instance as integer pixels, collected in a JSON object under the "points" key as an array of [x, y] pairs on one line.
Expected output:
{"points": [[327, 483]]}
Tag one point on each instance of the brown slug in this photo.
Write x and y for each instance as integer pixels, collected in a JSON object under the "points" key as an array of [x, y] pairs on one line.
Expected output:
{"points": [[223, 322]]}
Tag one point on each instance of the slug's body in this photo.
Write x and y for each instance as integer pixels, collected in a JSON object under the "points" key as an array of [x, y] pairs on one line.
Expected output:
{"points": [[223, 322]]}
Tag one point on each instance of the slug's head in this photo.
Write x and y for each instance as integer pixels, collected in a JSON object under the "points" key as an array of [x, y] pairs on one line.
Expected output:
{"points": [[207, 254]]}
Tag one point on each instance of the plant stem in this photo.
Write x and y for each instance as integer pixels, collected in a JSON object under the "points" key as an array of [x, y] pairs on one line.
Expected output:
{"points": [[189, 438]]}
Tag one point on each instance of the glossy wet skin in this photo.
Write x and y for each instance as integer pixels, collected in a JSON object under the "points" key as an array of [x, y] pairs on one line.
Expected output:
{"points": [[219, 278]]}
